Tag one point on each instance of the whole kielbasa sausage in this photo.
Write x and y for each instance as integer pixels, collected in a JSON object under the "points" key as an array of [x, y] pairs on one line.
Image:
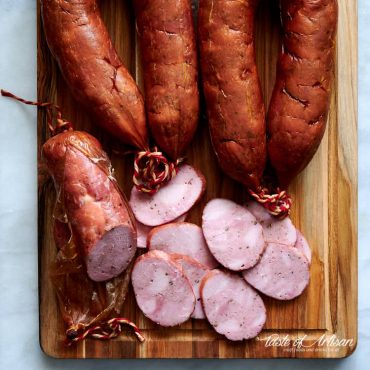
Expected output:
{"points": [[169, 57], [79, 40], [232, 89], [300, 101]]}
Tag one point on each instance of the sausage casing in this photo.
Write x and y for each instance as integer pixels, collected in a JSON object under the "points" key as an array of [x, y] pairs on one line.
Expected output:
{"points": [[79, 40], [169, 58], [301, 97], [232, 89]]}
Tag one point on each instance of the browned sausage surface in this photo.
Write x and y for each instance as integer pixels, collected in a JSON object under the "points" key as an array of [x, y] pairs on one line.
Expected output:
{"points": [[232, 89], [169, 58], [89, 200], [79, 41], [300, 101]]}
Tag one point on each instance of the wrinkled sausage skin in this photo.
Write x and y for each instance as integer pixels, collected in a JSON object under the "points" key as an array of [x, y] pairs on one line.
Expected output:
{"points": [[79, 41], [232, 89], [169, 57], [90, 201], [300, 101]]}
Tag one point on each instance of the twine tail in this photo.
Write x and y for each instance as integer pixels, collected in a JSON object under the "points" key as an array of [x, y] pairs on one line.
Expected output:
{"points": [[152, 169], [110, 329], [51, 109], [278, 204]]}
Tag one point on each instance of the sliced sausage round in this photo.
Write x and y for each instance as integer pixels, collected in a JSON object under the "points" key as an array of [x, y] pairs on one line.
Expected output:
{"points": [[111, 254], [171, 201], [282, 273], [274, 230], [142, 234], [162, 291], [184, 238], [232, 306], [195, 272], [233, 235], [303, 246], [144, 230]]}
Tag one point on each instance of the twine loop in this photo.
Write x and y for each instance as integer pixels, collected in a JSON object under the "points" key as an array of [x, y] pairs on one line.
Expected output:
{"points": [[110, 329], [52, 110], [278, 204], [152, 169]]}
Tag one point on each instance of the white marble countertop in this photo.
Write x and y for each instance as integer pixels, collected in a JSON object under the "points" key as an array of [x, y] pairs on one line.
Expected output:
{"points": [[19, 344]]}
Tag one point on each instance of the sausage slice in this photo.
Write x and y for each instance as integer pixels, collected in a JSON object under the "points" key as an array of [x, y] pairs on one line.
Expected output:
{"points": [[162, 291], [282, 273], [233, 235], [232, 306], [144, 230], [195, 272], [171, 201], [142, 234], [274, 230], [303, 246], [183, 238]]}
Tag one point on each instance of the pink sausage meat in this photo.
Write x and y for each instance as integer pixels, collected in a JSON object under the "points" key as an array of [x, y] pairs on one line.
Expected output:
{"points": [[171, 201], [274, 230], [195, 272], [302, 245], [282, 273], [162, 291], [233, 235], [232, 307], [184, 238], [144, 230]]}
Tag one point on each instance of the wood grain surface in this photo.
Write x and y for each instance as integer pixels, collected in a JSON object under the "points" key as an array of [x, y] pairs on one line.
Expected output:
{"points": [[325, 209]]}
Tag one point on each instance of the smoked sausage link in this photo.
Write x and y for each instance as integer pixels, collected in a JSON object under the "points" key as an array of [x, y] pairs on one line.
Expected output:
{"points": [[232, 89], [169, 57], [300, 101], [79, 40], [91, 202]]}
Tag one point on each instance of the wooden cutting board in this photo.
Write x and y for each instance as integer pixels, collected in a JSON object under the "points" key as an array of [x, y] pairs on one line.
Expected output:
{"points": [[325, 209]]}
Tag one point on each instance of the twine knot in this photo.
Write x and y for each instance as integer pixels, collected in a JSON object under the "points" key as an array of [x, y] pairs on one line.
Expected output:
{"points": [[107, 330], [153, 169], [278, 204]]}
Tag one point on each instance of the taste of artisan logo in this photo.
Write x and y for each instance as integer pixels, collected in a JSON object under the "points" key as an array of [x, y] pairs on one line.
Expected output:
{"points": [[323, 343]]}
